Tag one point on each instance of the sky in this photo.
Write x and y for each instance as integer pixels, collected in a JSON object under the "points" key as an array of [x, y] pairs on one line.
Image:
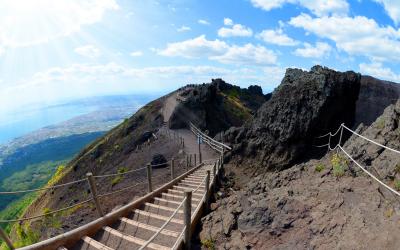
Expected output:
{"points": [[54, 51]]}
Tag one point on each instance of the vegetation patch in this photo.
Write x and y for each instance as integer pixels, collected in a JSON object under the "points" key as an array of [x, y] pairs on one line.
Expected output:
{"points": [[119, 178], [208, 243], [397, 185], [319, 167], [339, 165]]}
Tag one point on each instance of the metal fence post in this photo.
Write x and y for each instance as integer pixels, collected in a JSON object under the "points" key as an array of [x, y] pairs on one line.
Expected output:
{"points": [[150, 186], [7, 240], [172, 169], [93, 190], [187, 210], [207, 191]]}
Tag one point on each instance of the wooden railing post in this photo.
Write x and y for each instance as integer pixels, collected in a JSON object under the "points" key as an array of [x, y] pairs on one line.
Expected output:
{"points": [[150, 186], [93, 190], [7, 240], [199, 149], [187, 211], [183, 142], [172, 169], [207, 191], [190, 160], [187, 162], [195, 160]]}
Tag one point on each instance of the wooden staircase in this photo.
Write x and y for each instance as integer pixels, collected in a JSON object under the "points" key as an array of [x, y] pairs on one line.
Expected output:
{"points": [[134, 230]]}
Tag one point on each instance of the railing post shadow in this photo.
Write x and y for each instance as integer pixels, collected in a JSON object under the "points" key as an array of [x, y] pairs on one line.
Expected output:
{"points": [[149, 170], [187, 210], [93, 190]]}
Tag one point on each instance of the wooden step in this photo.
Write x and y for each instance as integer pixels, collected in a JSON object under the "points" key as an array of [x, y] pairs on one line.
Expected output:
{"points": [[149, 227], [133, 239], [157, 216], [95, 244], [177, 203], [62, 248], [163, 207], [182, 192], [199, 191], [178, 196], [192, 182], [193, 186]]}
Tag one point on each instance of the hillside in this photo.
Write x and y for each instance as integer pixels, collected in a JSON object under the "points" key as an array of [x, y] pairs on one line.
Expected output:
{"points": [[125, 148], [279, 190]]}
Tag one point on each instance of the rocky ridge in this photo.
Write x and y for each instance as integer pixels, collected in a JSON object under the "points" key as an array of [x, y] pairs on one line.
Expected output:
{"points": [[305, 105]]}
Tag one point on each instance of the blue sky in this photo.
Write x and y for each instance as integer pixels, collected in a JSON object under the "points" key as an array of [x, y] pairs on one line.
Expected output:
{"points": [[52, 51]]}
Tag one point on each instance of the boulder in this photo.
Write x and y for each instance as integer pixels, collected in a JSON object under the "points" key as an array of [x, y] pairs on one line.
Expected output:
{"points": [[159, 161], [304, 106]]}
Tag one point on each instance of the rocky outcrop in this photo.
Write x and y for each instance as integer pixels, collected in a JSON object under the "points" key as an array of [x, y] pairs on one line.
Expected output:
{"points": [[216, 106], [375, 95], [305, 105], [310, 206]]}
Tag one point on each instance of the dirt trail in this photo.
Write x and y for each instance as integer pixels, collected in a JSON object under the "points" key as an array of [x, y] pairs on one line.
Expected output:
{"points": [[191, 144]]}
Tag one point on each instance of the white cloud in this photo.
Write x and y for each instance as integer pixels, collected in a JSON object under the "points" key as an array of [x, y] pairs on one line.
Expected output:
{"points": [[24, 23], [354, 35], [220, 51], [88, 51], [318, 7], [319, 51], [236, 30], [277, 37], [204, 22], [376, 69], [228, 21], [248, 55], [274, 74], [183, 29], [194, 48], [392, 8], [83, 80], [136, 53]]}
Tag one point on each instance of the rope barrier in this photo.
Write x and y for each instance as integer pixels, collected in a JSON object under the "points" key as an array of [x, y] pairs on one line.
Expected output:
{"points": [[367, 172], [49, 213], [41, 189], [376, 143], [117, 174], [352, 159], [120, 190]]}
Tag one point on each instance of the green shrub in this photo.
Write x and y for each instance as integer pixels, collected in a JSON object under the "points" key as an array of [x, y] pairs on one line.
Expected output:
{"points": [[319, 167], [397, 185], [25, 235], [116, 180], [380, 123], [339, 165], [397, 168], [208, 243], [119, 178]]}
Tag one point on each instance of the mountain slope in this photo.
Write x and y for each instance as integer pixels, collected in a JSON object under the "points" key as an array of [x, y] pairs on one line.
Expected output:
{"points": [[124, 147]]}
